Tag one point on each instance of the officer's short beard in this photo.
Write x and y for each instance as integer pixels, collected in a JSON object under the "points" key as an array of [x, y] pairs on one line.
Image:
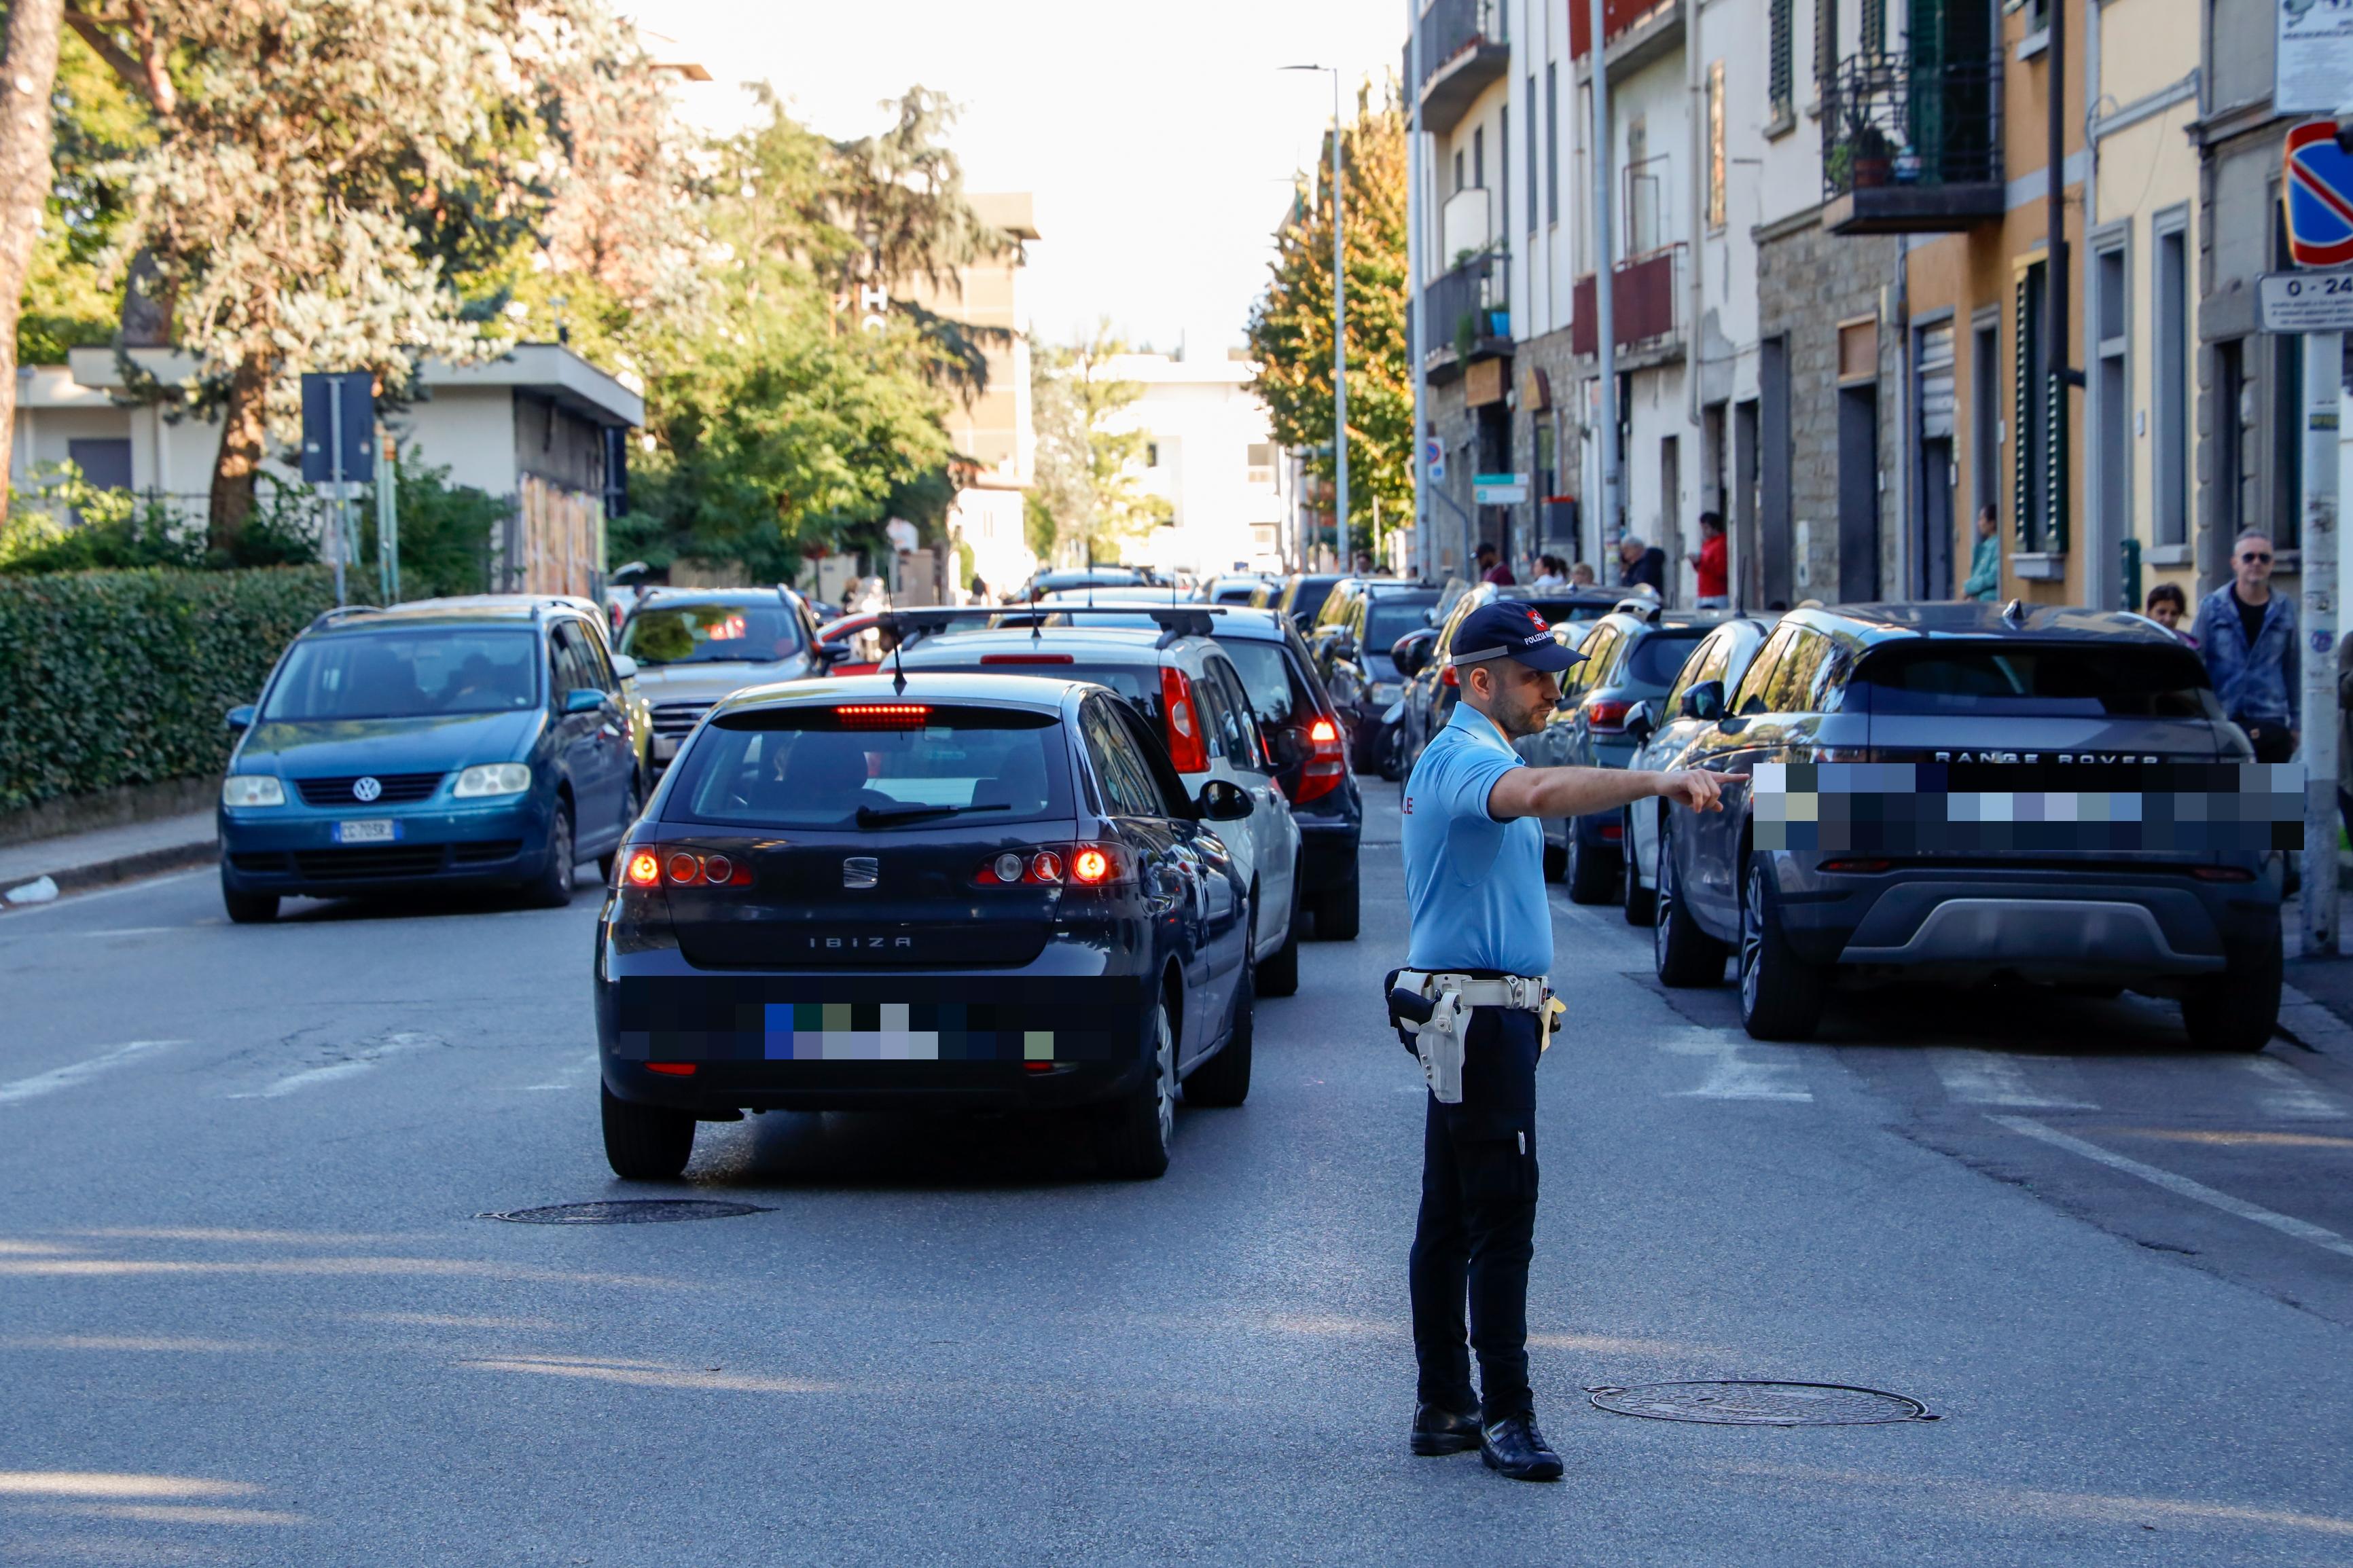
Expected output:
{"points": [[1514, 704]]}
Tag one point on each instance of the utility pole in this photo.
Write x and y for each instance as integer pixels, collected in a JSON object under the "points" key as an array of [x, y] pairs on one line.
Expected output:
{"points": [[1422, 554], [1605, 324], [2324, 376]]}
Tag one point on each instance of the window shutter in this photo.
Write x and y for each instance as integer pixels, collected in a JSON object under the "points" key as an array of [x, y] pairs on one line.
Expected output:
{"points": [[1778, 71], [2022, 412]]}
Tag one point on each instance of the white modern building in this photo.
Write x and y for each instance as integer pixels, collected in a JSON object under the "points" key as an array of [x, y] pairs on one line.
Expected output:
{"points": [[1210, 452]]}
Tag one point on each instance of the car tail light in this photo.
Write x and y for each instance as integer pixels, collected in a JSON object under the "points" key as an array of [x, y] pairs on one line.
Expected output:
{"points": [[1052, 866], [672, 1069], [1857, 866], [1027, 659], [1092, 866], [882, 715], [1607, 717], [1613, 831], [644, 869], [1327, 762], [685, 869], [1188, 748], [2222, 873]]}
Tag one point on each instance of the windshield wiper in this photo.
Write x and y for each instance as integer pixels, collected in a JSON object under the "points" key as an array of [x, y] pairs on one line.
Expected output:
{"points": [[869, 816]]}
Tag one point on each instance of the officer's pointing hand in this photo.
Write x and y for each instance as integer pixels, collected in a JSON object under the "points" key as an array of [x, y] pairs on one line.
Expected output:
{"points": [[1698, 790]]}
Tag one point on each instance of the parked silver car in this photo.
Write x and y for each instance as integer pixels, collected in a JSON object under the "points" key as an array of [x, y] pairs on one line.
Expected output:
{"points": [[695, 645]]}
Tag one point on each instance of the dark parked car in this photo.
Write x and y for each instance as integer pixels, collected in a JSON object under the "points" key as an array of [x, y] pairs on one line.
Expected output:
{"points": [[1353, 654], [1630, 656], [432, 744], [981, 894], [1300, 595], [694, 645], [1667, 727], [1430, 682], [1234, 588], [2004, 695]]}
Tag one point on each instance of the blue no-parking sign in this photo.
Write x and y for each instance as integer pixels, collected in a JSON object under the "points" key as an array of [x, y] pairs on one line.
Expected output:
{"points": [[2317, 190]]}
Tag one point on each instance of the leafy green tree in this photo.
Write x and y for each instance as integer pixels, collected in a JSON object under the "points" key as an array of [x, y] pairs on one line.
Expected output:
{"points": [[1089, 503], [1291, 326]]}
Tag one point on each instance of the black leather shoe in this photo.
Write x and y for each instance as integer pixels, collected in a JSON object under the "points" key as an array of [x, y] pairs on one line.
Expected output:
{"points": [[1437, 1432], [1514, 1447]]}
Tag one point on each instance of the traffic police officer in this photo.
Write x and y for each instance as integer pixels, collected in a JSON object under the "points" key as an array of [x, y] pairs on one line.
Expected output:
{"points": [[1481, 948]]}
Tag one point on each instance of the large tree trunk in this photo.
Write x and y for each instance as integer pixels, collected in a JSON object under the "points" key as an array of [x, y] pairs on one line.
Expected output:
{"points": [[243, 432], [28, 74]]}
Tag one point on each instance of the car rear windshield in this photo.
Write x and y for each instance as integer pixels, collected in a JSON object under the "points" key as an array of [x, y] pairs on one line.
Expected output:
{"points": [[1277, 695], [405, 674], [2148, 682], [814, 767], [1389, 619], [712, 633], [1658, 659]]}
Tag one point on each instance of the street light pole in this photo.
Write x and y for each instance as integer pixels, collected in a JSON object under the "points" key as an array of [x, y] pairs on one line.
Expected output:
{"points": [[1339, 330], [1605, 315], [1422, 554]]}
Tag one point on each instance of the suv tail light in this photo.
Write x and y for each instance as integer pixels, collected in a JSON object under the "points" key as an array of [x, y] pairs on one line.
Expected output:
{"points": [[1327, 763], [1607, 717], [1187, 747]]}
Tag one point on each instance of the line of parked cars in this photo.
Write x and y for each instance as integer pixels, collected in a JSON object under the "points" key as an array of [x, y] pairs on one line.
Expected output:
{"points": [[2008, 692], [1047, 857]]}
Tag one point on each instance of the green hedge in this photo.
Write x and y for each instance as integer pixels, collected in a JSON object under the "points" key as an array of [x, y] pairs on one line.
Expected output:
{"points": [[120, 677]]}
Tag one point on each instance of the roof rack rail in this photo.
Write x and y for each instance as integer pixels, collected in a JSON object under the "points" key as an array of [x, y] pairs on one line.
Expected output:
{"points": [[338, 613]]}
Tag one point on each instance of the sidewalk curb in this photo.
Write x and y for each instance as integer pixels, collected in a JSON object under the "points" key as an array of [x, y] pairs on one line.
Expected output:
{"points": [[130, 867]]}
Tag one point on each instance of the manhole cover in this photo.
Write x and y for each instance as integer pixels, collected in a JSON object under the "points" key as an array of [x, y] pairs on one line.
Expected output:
{"points": [[1758, 1403], [627, 1211]]}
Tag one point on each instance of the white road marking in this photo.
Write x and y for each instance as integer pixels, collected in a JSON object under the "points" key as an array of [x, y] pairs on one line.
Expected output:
{"points": [[2197, 1192], [1988, 1078], [365, 1060], [1739, 1070], [66, 1077], [136, 931], [2291, 1097]]}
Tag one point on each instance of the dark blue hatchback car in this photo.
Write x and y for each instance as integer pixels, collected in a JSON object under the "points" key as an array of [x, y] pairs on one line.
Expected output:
{"points": [[432, 744]]}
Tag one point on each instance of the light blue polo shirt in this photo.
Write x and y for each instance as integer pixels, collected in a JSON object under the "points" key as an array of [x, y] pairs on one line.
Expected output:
{"points": [[1474, 886]]}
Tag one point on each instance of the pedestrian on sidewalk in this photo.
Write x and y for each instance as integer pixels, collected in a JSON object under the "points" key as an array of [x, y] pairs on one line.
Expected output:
{"points": [[1492, 569], [1477, 973], [2167, 604], [1639, 562], [2247, 636], [1708, 565], [1984, 581]]}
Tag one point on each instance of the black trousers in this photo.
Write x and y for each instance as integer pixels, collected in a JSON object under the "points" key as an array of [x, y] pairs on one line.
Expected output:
{"points": [[2273, 742], [1477, 1227]]}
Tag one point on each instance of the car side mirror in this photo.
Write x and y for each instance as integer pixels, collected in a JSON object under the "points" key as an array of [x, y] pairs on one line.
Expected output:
{"points": [[1642, 722], [583, 700], [1222, 800], [624, 667], [1287, 747], [835, 652], [1703, 702], [241, 717], [1410, 653]]}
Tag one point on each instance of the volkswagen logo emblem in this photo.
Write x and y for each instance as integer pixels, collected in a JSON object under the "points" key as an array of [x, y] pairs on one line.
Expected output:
{"points": [[367, 787], [861, 871]]}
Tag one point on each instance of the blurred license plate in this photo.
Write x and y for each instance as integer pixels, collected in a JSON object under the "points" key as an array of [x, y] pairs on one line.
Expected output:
{"points": [[381, 830], [665, 747]]}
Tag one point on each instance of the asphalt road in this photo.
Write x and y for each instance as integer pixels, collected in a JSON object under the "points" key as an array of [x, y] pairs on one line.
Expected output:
{"points": [[248, 1313]]}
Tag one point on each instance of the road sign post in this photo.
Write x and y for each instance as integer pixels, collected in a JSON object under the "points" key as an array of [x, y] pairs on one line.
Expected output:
{"points": [[339, 446], [2316, 194]]}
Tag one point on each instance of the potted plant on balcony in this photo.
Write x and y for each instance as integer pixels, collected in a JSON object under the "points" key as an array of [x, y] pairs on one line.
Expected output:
{"points": [[1864, 155]]}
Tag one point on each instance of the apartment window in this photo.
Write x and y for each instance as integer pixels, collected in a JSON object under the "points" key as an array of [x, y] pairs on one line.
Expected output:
{"points": [[1780, 52], [1826, 26], [1985, 402], [2112, 395], [1874, 28], [2169, 440], [1716, 153], [1479, 157], [1534, 157], [1503, 175], [1458, 170], [1552, 140], [1261, 461], [1152, 452]]}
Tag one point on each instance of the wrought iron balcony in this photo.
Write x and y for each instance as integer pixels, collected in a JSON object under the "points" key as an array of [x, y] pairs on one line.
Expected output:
{"points": [[1465, 45], [1468, 313], [1912, 144]]}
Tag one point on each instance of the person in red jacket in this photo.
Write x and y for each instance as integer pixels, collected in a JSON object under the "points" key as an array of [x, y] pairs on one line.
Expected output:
{"points": [[1711, 564]]}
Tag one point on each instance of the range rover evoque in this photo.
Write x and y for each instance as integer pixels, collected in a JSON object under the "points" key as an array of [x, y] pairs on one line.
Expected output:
{"points": [[2003, 692], [976, 892]]}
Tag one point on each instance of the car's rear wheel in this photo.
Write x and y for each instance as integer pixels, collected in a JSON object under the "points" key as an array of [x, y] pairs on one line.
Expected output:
{"points": [[1136, 1133], [629, 809], [2238, 1011], [1336, 912], [1639, 904], [1224, 1078], [1683, 955], [248, 909], [1781, 994], [646, 1142], [1279, 975], [1588, 874], [552, 890], [1556, 861]]}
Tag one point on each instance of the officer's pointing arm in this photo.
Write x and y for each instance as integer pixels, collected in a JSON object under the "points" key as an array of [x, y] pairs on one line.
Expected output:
{"points": [[1581, 792]]}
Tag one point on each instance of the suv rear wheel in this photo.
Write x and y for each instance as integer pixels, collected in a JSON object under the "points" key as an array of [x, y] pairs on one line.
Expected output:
{"points": [[1279, 974], [1780, 993], [2238, 1011], [1135, 1134], [1681, 953], [1336, 912], [1638, 900], [646, 1142], [1588, 872]]}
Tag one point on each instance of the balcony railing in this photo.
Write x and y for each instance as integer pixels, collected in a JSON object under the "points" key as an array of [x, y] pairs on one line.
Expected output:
{"points": [[1469, 309], [1912, 144], [1465, 45], [1642, 295]]}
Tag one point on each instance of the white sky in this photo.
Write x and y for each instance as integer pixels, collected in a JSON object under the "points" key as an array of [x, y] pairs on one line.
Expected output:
{"points": [[1158, 137]]}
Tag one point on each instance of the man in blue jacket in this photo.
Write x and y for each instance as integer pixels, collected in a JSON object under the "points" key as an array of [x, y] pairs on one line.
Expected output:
{"points": [[2247, 636]]}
